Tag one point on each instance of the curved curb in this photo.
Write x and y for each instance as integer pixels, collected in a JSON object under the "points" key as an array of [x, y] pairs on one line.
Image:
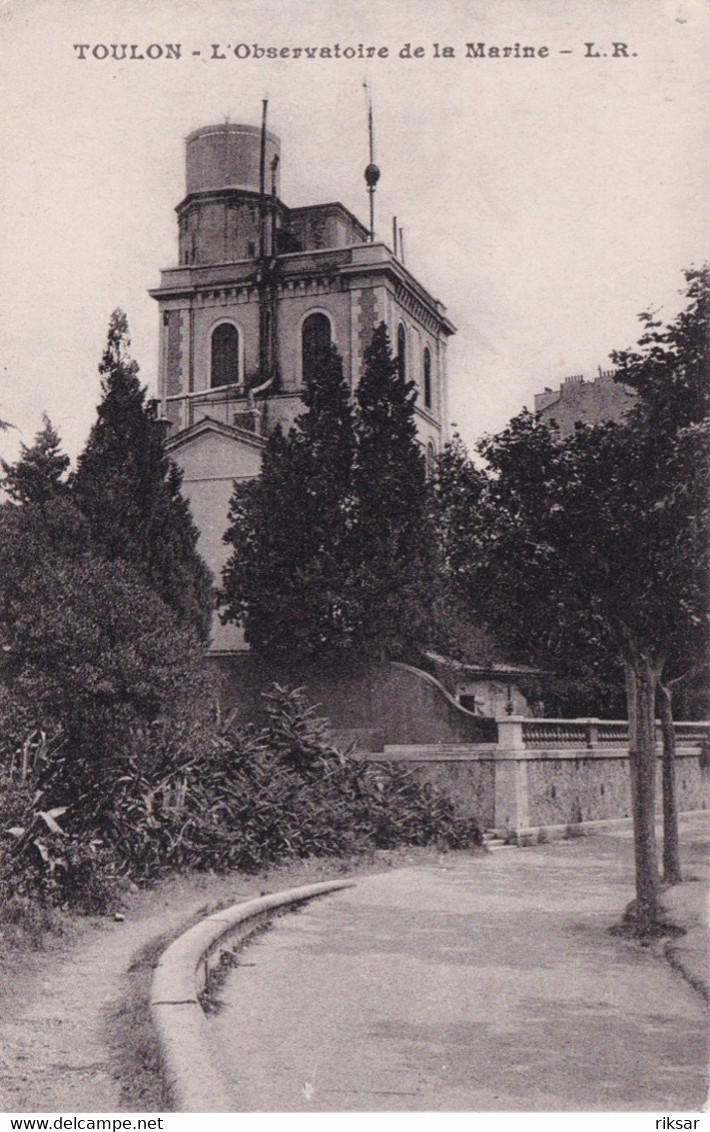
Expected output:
{"points": [[689, 955], [181, 974]]}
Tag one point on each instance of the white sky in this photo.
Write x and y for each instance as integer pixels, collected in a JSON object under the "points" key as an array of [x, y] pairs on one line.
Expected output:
{"points": [[545, 202]]}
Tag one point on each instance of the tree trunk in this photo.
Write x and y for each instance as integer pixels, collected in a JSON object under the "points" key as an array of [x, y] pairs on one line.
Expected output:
{"points": [[631, 714], [671, 850], [641, 685]]}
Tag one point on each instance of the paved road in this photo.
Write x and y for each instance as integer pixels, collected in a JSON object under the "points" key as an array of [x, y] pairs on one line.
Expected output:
{"points": [[481, 984]]}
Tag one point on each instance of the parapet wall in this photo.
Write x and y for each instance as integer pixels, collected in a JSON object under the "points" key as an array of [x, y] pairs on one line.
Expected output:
{"points": [[516, 792]]}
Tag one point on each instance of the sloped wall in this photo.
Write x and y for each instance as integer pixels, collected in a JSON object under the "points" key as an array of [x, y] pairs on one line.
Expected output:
{"points": [[389, 703]]}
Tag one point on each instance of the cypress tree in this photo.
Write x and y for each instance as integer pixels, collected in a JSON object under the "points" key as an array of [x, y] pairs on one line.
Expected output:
{"points": [[39, 474], [286, 577], [129, 489], [392, 550], [331, 546]]}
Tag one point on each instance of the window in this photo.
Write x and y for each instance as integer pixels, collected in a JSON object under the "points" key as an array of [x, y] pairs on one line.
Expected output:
{"points": [[315, 342], [427, 377], [401, 352], [225, 355]]}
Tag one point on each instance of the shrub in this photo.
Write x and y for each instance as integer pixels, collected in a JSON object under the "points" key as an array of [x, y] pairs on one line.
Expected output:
{"points": [[43, 865], [288, 791], [184, 796]]}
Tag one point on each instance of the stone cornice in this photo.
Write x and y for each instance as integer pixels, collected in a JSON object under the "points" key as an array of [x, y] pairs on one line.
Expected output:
{"points": [[294, 271]]}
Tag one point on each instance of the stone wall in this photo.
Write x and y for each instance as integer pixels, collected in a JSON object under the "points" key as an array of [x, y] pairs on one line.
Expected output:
{"points": [[515, 775], [468, 781], [519, 793], [574, 789], [585, 788]]}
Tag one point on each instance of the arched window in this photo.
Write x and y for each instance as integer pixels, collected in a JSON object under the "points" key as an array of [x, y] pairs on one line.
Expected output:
{"points": [[401, 352], [224, 368], [315, 342], [427, 377]]}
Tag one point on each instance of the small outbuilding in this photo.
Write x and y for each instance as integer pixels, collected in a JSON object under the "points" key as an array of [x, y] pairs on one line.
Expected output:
{"points": [[487, 687]]}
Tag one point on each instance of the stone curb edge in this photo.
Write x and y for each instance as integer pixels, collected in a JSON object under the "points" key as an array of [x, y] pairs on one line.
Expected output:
{"points": [[181, 974], [683, 955]]}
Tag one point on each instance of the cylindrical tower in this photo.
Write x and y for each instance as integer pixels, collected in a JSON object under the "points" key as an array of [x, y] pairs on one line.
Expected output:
{"points": [[228, 157], [220, 219]]}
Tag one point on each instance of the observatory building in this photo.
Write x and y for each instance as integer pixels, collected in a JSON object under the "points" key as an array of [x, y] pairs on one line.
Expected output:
{"points": [[259, 290]]}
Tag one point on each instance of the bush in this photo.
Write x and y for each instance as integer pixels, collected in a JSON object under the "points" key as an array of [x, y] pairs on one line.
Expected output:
{"points": [[42, 865], [185, 797], [258, 797]]}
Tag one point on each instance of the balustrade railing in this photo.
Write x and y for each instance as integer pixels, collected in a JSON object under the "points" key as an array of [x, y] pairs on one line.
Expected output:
{"points": [[612, 733], [555, 733], [690, 732], [519, 732]]}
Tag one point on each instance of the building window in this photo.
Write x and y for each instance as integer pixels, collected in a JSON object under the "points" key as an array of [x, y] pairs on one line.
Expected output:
{"points": [[427, 377], [225, 355], [315, 342], [401, 352]]}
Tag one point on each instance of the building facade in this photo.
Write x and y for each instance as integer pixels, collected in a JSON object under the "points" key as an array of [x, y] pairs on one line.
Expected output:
{"points": [[593, 402], [259, 290]]}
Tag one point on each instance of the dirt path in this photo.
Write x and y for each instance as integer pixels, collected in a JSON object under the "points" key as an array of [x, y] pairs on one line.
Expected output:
{"points": [[63, 1011], [57, 1049]]}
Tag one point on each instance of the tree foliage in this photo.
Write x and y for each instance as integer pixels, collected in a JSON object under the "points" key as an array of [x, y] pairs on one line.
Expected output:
{"points": [[129, 489], [493, 562], [391, 553], [328, 546], [40, 473], [671, 421], [86, 644], [93, 665], [111, 760], [287, 575], [595, 545], [669, 369], [94, 662]]}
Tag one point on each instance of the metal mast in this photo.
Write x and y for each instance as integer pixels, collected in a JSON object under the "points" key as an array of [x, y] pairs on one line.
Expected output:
{"points": [[265, 358], [372, 173]]}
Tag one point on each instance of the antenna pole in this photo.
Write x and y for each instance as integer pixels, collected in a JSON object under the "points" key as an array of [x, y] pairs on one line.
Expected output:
{"points": [[264, 312], [274, 167], [262, 181], [372, 173], [370, 130]]}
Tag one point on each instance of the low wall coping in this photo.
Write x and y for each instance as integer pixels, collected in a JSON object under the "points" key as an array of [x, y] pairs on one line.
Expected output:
{"points": [[581, 754], [491, 752]]}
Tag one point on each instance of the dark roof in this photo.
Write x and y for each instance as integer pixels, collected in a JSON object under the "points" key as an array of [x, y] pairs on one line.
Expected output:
{"points": [[484, 665]]}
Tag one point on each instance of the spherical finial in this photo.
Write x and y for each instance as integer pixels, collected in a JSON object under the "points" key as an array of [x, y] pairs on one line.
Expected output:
{"points": [[372, 175]]}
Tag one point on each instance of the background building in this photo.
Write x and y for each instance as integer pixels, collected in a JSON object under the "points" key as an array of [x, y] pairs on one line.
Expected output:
{"points": [[595, 401], [260, 288]]}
